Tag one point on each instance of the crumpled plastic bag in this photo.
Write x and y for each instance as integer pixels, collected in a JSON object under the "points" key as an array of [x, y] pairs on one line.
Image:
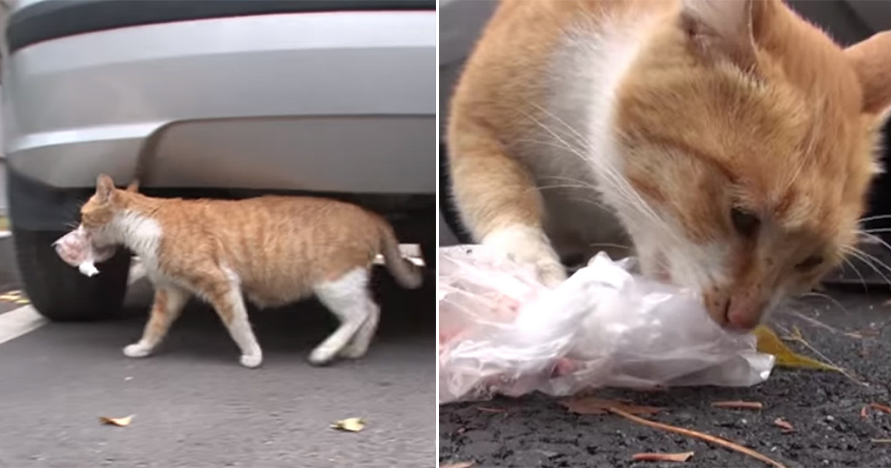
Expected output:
{"points": [[77, 249], [503, 332]]}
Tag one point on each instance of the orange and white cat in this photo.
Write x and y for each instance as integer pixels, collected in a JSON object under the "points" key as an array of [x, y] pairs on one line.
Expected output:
{"points": [[274, 250], [729, 142]]}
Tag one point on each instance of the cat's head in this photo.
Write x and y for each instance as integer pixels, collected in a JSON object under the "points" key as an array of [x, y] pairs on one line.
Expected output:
{"points": [[99, 212], [751, 139]]}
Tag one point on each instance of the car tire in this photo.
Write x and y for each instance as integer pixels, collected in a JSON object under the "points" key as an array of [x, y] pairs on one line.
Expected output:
{"points": [[429, 254], [60, 292]]}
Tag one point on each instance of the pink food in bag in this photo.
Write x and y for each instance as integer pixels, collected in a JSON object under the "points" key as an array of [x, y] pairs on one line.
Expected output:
{"points": [[76, 249]]}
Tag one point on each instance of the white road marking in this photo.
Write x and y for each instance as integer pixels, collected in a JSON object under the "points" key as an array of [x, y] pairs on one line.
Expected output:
{"points": [[18, 322]]}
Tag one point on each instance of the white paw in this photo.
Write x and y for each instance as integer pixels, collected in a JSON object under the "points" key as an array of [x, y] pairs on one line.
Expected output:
{"points": [[530, 246], [251, 360], [137, 350], [353, 351], [322, 355]]}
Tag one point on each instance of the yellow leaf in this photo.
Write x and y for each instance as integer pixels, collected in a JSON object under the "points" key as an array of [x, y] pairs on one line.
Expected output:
{"points": [[349, 425], [120, 422], [770, 343]]}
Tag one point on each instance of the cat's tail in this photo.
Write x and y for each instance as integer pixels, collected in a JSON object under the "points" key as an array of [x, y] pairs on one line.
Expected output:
{"points": [[406, 273]]}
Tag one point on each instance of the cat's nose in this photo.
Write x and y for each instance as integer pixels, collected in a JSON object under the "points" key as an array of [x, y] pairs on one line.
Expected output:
{"points": [[743, 313], [738, 312]]}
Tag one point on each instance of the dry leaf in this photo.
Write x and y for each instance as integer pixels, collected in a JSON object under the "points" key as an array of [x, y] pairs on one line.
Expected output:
{"points": [[863, 412], [770, 343], [738, 404], [349, 425], [486, 409], [120, 422], [883, 408], [594, 405], [698, 435], [458, 465], [662, 457], [782, 423]]}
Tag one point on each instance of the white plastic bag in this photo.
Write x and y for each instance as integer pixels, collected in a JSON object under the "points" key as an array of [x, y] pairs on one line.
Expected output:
{"points": [[76, 249], [502, 332]]}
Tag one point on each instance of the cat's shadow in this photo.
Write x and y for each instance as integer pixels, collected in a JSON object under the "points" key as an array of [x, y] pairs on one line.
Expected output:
{"points": [[407, 317]]}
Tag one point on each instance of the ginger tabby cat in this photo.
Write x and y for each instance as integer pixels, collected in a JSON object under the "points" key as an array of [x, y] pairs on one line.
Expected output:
{"points": [[274, 250], [729, 142]]}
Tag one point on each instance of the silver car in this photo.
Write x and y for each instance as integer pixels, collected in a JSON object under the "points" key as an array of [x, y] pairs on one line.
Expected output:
{"points": [[225, 98]]}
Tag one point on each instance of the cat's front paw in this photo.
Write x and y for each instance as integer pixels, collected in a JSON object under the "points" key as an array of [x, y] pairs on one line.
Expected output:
{"points": [[137, 350], [251, 361], [530, 246]]}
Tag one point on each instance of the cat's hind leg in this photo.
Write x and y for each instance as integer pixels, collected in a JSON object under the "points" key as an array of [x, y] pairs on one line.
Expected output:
{"points": [[358, 346], [169, 302], [349, 298]]}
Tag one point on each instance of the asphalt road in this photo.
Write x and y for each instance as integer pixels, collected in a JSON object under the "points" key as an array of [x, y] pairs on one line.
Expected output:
{"points": [[824, 408], [195, 406]]}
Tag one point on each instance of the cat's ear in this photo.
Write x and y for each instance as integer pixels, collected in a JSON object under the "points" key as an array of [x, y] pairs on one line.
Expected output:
{"points": [[104, 188], [871, 59], [722, 29]]}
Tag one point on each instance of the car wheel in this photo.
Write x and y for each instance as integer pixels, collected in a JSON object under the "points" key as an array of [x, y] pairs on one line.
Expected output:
{"points": [[60, 292], [428, 252]]}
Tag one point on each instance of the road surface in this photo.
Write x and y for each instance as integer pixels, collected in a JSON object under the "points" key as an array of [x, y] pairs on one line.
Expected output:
{"points": [[196, 407], [824, 409]]}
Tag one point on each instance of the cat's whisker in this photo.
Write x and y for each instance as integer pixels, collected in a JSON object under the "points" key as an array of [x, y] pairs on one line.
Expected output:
{"points": [[877, 239], [875, 259], [860, 256], [581, 138], [828, 298], [876, 231], [875, 218], [853, 267], [557, 186], [618, 183], [607, 244]]}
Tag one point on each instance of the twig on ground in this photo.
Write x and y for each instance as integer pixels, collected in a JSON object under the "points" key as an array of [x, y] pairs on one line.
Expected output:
{"points": [[783, 424], [698, 435], [883, 408], [594, 405], [486, 409], [662, 457], [738, 404]]}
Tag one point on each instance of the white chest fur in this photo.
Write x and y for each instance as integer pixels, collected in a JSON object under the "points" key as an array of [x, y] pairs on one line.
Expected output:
{"points": [[572, 151], [142, 235]]}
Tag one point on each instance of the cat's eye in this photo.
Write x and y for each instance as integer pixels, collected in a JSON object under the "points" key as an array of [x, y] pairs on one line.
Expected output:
{"points": [[809, 263], [744, 222]]}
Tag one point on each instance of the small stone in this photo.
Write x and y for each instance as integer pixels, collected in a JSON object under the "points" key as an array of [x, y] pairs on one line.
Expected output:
{"points": [[830, 418]]}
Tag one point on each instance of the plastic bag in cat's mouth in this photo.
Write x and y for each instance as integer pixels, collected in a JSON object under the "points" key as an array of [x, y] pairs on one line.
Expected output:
{"points": [[503, 332], [76, 249]]}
